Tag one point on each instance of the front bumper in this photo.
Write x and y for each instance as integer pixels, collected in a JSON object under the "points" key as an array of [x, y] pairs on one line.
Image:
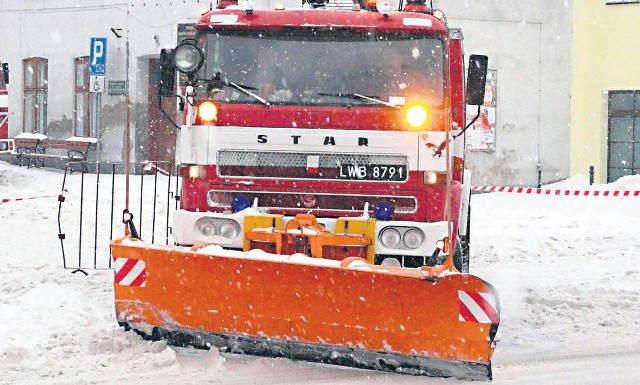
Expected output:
{"points": [[186, 231]]}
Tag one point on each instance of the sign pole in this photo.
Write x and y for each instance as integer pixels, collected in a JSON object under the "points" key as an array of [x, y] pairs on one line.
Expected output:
{"points": [[127, 124], [98, 126], [97, 72]]}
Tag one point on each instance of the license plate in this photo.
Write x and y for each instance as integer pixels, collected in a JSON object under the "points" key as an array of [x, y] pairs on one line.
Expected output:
{"points": [[373, 172]]}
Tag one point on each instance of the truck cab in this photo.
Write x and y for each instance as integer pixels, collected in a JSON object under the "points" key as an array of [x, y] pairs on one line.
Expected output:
{"points": [[339, 114]]}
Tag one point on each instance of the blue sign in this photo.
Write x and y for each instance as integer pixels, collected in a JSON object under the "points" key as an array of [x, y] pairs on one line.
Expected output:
{"points": [[98, 56]]}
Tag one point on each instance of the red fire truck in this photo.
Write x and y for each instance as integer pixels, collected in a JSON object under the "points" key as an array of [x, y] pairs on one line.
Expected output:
{"points": [[5, 144], [323, 176], [333, 113]]}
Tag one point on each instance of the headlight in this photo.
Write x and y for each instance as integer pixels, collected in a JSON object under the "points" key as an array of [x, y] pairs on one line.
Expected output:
{"points": [[229, 229], [206, 227], [191, 171], [386, 6], [247, 5], [438, 14], [188, 58], [391, 262], [432, 178], [413, 238], [390, 237]]}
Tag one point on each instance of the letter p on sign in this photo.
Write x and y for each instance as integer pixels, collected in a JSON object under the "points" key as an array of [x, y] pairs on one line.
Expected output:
{"points": [[98, 56]]}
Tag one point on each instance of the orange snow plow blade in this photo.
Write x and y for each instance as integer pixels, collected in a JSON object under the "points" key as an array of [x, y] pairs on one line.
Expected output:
{"points": [[350, 313]]}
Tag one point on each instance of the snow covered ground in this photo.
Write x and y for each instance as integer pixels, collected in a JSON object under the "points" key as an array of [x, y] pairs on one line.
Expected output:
{"points": [[567, 269]]}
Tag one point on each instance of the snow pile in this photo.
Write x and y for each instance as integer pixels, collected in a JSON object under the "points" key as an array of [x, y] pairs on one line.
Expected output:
{"points": [[576, 181], [579, 181], [567, 270], [630, 182]]}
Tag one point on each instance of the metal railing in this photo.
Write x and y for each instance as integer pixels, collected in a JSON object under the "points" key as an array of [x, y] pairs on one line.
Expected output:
{"points": [[94, 203]]}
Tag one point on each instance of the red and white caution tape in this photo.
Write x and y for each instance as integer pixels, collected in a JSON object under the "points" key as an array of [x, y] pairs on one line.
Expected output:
{"points": [[542, 191], [60, 197]]}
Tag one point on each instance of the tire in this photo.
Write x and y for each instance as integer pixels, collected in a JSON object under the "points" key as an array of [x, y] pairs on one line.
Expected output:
{"points": [[461, 255], [462, 251]]}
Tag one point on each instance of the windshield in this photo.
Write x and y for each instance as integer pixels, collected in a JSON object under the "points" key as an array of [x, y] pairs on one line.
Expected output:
{"points": [[325, 67]]}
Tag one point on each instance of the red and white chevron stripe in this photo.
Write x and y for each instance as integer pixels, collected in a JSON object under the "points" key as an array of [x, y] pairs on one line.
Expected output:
{"points": [[478, 307], [540, 191], [130, 272], [60, 196]]}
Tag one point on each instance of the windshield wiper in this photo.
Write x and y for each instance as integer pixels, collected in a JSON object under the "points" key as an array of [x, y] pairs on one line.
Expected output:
{"points": [[219, 80], [358, 97], [247, 92]]}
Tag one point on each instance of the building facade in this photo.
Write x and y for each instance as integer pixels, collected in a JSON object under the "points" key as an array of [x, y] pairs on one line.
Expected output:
{"points": [[525, 121], [529, 49], [605, 103], [51, 89]]}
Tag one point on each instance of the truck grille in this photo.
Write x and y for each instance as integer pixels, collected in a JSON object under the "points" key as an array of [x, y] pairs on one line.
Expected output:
{"points": [[296, 165], [296, 201]]}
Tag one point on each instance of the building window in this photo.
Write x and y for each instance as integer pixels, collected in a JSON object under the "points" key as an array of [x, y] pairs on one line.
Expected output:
{"points": [[624, 134], [35, 95], [86, 103], [4, 70]]}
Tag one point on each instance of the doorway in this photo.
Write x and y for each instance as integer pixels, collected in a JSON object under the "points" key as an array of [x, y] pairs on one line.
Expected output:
{"points": [[624, 134], [161, 134]]}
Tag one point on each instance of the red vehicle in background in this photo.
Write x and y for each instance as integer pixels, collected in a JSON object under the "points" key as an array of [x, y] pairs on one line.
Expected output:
{"points": [[6, 145]]}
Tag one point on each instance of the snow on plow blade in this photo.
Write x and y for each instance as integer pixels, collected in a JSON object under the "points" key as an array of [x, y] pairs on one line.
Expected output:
{"points": [[345, 312]]}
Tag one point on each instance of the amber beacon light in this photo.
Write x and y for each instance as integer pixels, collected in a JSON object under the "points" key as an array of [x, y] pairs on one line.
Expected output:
{"points": [[416, 116], [207, 111]]}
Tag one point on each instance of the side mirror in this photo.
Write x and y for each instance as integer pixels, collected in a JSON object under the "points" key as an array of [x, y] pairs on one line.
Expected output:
{"points": [[5, 71], [476, 79], [167, 84]]}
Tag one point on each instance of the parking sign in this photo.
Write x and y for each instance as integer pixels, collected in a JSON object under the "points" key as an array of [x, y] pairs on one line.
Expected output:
{"points": [[98, 56]]}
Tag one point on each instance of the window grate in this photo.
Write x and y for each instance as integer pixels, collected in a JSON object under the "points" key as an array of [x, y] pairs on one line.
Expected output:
{"points": [[624, 134]]}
